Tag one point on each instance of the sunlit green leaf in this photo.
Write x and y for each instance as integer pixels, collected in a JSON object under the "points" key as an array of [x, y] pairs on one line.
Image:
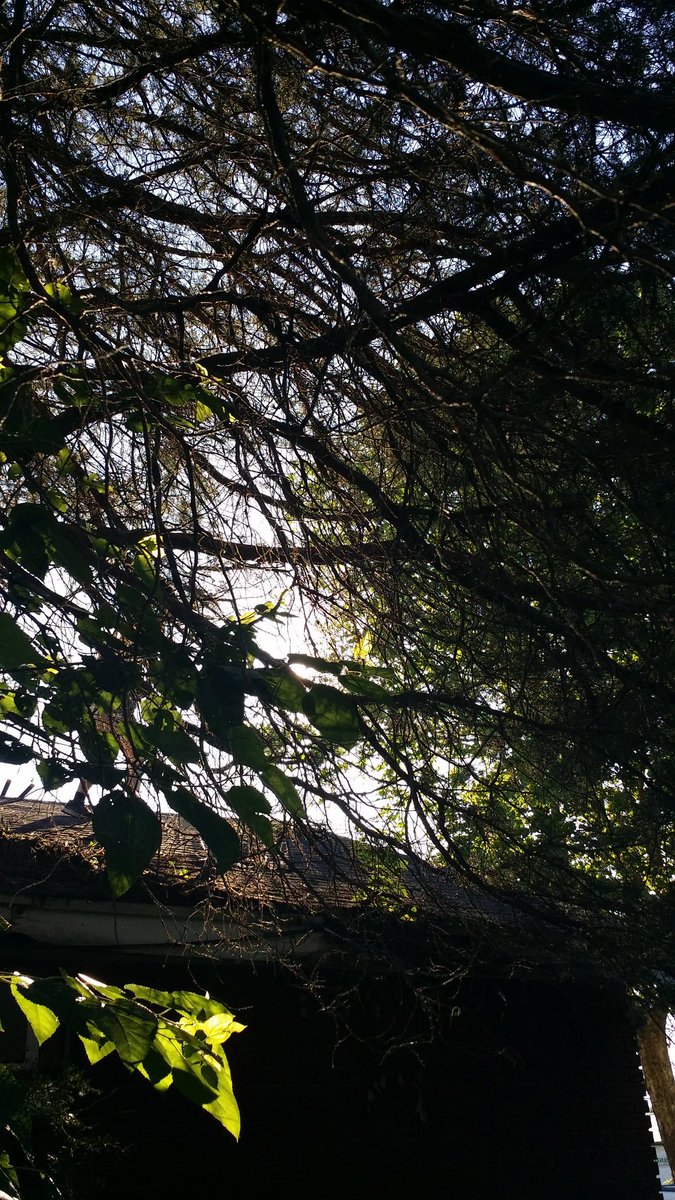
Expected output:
{"points": [[192, 1085], [151, 995], [198, 1005], [96, 1048], [129, 1027], [219, 1028], [156, 1069], [41, 1019], [225, 1108]]}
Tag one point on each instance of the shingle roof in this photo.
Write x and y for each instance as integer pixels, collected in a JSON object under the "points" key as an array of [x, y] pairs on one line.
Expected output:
{"points": [[46, 850]]}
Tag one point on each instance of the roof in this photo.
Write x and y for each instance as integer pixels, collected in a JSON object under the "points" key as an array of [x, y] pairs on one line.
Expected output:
{"points": [[47, 849], [53, 886]]}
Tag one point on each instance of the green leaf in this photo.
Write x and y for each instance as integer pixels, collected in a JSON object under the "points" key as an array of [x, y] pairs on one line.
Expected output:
{"points": [[129, 1027], [130, 834], [102, 773], [246, 801], [38, 436], [277, 686], [42, 1020], [225, 1108], [216, 831], [62, 293], [12, 751], [334, 714], [53, 775], [16, 648], [140, 622], [252, 807], [53, 720], [175, 675], [174, 742], [11, 271], [99, 746], [55, 993], [17, 704], [198, 1006], [220, 698], [283, 789], [150, 995], [219, 1028], [66, 553], [247, 748], [168, 1046], [360, 685], [111, 672], [192, 1085], [96, 1047], [156, 1069]]}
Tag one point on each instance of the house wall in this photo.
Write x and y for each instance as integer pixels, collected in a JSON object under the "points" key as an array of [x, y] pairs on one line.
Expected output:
{"points": [[522, 1090]]}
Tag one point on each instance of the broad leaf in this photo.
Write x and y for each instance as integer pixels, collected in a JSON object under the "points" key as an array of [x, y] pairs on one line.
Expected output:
{"points": [[247, 748], [156, 1070], [174, 742], [220, 699], [284, 789], [216, 831], [199, 1006], [53, 775], [96, 1048], [104, 774], [277, 686], [16, 648], [151, 995], [131, 1028], [175, 675], [225, 1108], [42, 1020], [192, 1085], [360, 685], [130, 834], [12, 751], [252, 807], [219, 1028], [334, 714]]}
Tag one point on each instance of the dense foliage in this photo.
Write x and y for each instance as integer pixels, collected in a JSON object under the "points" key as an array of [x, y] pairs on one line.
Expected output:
{"points": [[171, 1038], [363, 311]]}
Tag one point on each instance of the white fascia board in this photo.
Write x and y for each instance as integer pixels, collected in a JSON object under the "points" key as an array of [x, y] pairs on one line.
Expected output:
{"points": [[144, 929]]}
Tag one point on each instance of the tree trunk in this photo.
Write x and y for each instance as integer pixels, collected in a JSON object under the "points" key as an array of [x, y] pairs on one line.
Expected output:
{"points": [[658, 1072]]}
